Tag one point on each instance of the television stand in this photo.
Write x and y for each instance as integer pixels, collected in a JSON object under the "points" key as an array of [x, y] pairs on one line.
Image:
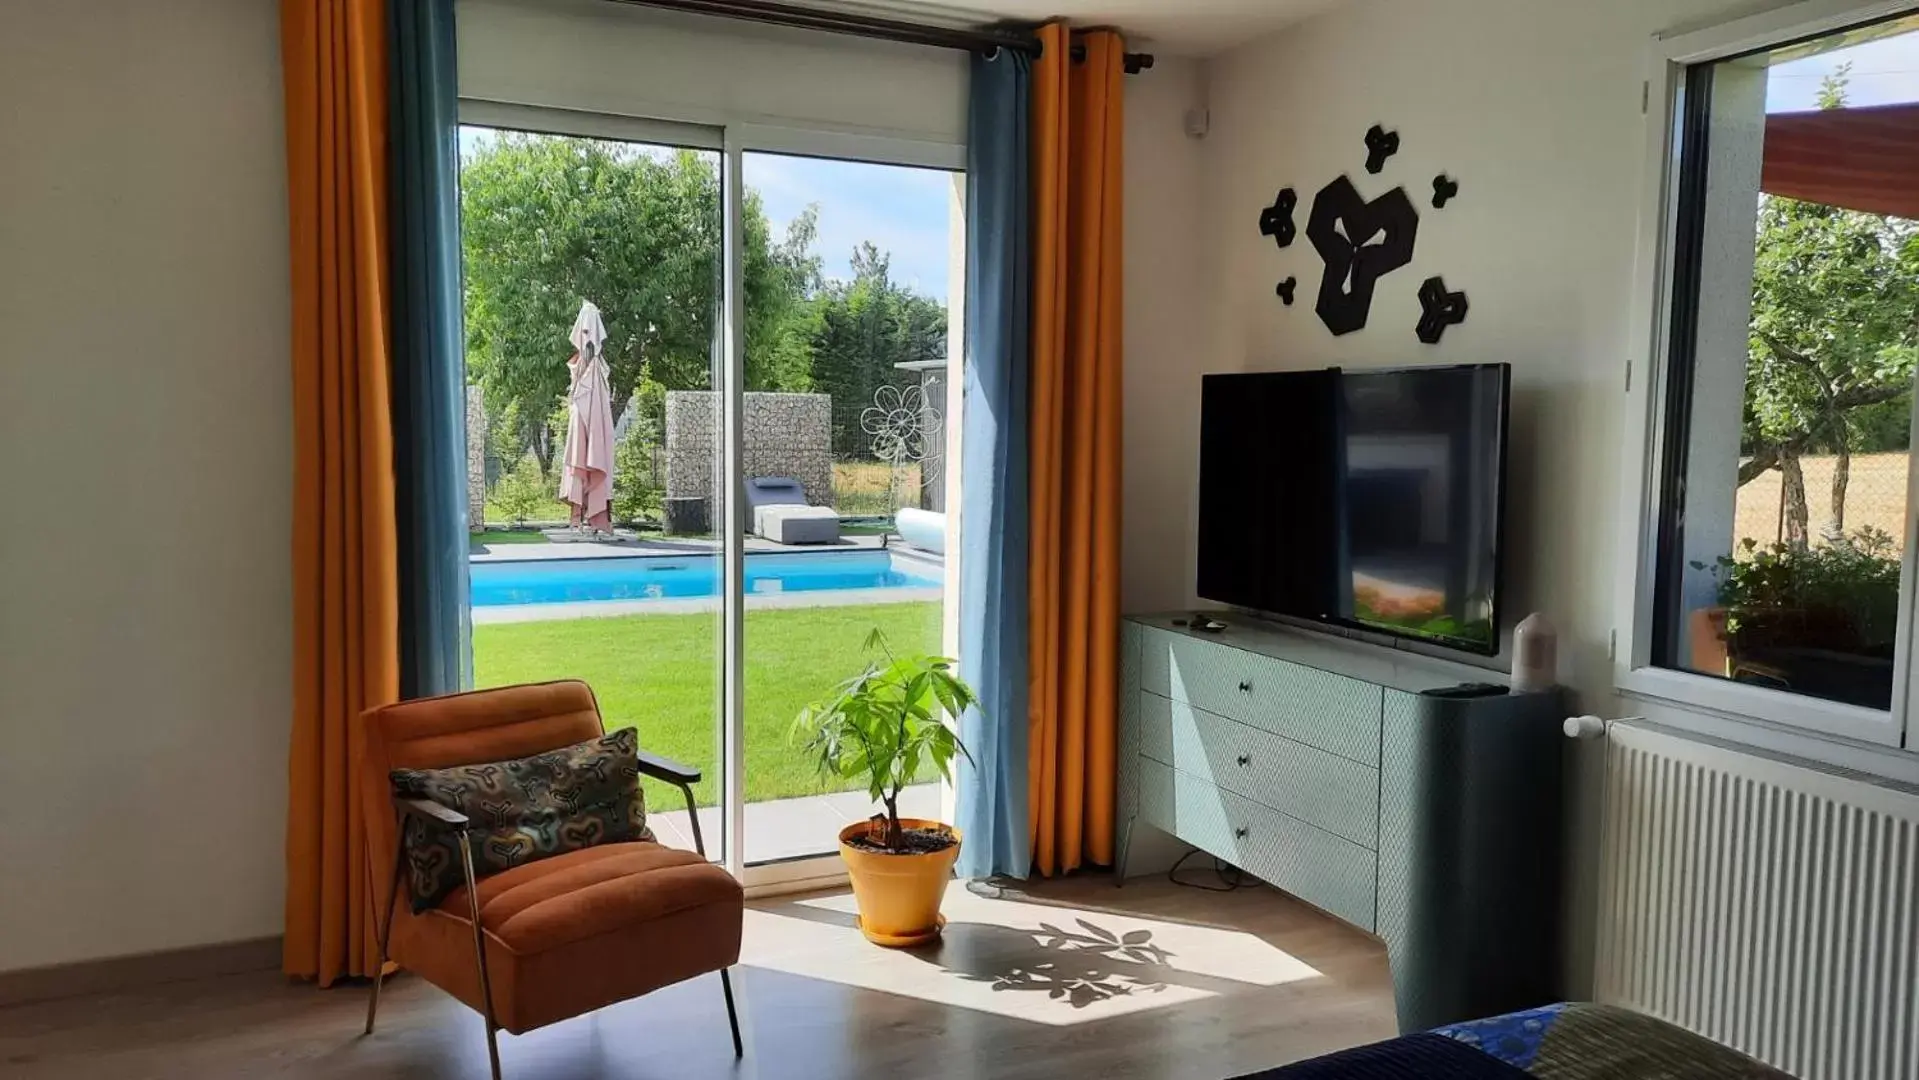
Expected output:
{"points": [[1339, 772]]}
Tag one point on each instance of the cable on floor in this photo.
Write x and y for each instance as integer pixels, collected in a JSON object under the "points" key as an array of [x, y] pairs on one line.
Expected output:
{"points": [[1230, 878]]}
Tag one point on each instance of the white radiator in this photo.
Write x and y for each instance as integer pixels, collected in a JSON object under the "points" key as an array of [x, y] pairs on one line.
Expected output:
{"points": [[1767, 903]]}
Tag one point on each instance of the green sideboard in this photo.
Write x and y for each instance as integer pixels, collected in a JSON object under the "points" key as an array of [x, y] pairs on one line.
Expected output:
{"points": [[1331, 770]]}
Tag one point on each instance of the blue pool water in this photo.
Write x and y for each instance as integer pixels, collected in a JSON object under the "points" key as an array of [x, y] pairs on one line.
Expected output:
{"points": [[556, 581]]}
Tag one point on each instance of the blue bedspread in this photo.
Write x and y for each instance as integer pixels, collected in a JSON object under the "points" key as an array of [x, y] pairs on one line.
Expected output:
{"points": [[1414, 1057], [1550, 1043]]}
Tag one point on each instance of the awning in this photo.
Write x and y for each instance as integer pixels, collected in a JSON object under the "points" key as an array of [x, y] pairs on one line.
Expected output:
{"points": [[1860, 159]]}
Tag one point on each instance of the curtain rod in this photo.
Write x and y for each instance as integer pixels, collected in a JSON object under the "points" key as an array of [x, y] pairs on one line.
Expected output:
{"points": [[872, 26]]}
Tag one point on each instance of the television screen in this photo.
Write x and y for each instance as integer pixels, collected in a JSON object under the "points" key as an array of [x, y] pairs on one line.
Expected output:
{"points": [[1370, 499], [1267, 537]]}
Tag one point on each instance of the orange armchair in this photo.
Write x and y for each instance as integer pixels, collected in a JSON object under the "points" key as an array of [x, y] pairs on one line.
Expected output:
{"points": [[551, 939]]}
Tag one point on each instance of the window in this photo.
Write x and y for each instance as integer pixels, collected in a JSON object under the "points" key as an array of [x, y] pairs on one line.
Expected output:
{"points": [[1779, 543]]}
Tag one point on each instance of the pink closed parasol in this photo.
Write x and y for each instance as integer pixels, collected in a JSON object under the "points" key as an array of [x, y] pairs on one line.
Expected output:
{"points": [[586, 470]]}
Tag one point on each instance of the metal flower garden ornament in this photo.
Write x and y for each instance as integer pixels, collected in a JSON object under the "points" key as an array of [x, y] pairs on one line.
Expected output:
{"points": [[903, 426]]}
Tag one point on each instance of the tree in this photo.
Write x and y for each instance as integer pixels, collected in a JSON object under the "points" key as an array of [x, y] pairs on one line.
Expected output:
{"points": [[1835, 332], [522, 490], [636, 486], [548, 222], [861, 331]]}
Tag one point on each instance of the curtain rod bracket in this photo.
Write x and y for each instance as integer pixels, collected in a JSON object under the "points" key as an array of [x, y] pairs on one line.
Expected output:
{"points": [[1134, 62]]}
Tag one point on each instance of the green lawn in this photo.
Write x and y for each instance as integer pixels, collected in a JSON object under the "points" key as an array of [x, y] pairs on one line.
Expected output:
{"points": [[551, 511], [659, 673]]}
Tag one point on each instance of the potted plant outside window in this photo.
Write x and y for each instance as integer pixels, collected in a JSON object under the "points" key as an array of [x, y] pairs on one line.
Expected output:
{"points": [[1816, 619], [886, 726]]}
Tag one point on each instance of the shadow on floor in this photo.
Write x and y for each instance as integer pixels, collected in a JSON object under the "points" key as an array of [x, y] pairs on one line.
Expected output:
{"points": [[1079, 967], [1338, 951]]}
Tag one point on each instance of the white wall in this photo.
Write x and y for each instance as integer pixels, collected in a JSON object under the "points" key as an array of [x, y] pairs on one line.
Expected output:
{"points": [[1534, 107], [1165, 337], [145, 587], [1165, 343]]}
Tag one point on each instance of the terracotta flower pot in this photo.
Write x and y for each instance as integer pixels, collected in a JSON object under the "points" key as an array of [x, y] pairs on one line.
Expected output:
{"points": [[899, 895], [1706, 634]]}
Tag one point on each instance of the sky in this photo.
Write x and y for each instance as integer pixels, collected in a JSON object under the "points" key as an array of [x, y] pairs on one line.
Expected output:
{"points": [[903, 211], [1884, 72]]}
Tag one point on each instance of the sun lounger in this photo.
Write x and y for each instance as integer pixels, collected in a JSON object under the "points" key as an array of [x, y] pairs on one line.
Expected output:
{"points": [[777, 509]]}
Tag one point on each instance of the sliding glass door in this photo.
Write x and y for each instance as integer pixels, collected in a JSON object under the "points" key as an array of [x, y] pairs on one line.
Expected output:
{"points": [[843, 445], [778, 325]]}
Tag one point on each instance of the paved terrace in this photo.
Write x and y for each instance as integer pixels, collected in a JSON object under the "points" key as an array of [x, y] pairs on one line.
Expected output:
{"points": [[789, 828], [627, 547]]}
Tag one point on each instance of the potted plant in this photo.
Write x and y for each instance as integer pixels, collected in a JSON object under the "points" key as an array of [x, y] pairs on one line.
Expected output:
{"points": [[885, 725], [1817, 619]]}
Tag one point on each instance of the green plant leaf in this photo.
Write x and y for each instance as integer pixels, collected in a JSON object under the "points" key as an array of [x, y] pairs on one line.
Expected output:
{"points": [[886, 723]]}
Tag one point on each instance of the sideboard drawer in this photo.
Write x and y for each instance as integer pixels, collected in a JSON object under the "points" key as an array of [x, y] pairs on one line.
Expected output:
{"points": [[1322, 869], [1318, 708], [1332, 792]]}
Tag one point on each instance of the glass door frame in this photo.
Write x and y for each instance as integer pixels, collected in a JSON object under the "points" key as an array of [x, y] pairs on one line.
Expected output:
{"points": [[733, 141]]}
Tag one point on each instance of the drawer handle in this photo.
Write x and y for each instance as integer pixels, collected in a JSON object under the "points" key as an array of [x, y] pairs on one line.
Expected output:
{"points": [[1239, 833], [1245, 686], [1245, 760]]}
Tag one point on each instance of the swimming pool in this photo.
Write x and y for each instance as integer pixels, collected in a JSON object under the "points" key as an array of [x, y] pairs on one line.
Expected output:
{"points": [[655, 577]]}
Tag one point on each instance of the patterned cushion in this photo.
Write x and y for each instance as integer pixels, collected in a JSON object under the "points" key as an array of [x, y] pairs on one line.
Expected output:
{"points": [[533, 808]]}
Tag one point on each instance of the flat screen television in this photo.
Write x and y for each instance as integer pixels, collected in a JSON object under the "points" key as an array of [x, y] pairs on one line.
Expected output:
{"points": [[1367, 499]]}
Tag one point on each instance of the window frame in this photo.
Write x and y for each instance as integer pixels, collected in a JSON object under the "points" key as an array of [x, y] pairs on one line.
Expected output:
{"points": [[1648, 429]]}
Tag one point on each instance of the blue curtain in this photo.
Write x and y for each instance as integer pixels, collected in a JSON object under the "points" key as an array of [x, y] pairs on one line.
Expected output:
{"points": [[993, 810], [428, 371]]}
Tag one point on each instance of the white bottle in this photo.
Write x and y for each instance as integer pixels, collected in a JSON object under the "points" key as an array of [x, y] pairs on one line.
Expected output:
{"points": [[1535, 655]]}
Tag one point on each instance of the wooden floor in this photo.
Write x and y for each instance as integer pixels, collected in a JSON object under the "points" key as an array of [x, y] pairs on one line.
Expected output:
{"points": [[1069, 979]]}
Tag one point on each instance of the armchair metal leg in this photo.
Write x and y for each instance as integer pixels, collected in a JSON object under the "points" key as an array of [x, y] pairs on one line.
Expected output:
{"points": [[493, 1047], [726, 976], [693, 820], [732, 1014], [386, 929], [479, 953], [373, 995]]}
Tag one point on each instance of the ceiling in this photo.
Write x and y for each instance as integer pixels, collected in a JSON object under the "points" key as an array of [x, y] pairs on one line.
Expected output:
{"points": [[1177, 27]]}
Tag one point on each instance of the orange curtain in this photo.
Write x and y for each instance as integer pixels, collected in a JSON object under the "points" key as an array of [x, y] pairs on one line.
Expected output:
{"points": [[1075, 455], [345, 603]]}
